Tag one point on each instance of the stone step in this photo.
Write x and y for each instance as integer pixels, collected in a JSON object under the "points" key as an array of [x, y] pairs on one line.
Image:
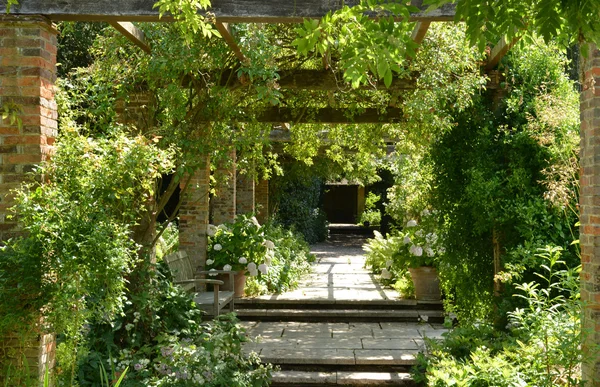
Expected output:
{"points": [[295, 378], [273, 302], [340, 315]]}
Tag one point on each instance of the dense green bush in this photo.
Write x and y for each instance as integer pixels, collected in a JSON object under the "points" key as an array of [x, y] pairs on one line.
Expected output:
{"points": [[540, 346], [297, 203]]}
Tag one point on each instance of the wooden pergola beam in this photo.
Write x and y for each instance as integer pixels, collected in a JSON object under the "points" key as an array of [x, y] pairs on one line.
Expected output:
{"points": [[498, 52], [226, 11], [223, 28], [420, 31], [132, 33], [321, 80], [329, 116]]}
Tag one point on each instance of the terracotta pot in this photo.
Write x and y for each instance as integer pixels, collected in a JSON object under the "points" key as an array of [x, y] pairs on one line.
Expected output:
{"points": [[427, 283], [239, 281]]}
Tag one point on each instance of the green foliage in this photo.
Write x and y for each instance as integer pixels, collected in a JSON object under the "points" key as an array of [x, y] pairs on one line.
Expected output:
{"points": [[371, 215], [75, 41], [239, 246], [161, 340], [565, 21], [539, 348], [508, 174], [71, 267], [297, 202], [290, 260]]}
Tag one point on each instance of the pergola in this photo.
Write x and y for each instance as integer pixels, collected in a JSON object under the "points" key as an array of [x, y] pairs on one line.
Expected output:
{"points": [[27, 76]]}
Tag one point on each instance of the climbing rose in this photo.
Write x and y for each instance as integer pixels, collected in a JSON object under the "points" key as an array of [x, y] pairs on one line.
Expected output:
{"points": [[227, 268], [217, 247], [243, 260], [263, 268], [411, 223], [209, 262]]}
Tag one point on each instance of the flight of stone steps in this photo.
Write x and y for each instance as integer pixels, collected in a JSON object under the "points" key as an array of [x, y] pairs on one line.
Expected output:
{"points": [[340, 342]]}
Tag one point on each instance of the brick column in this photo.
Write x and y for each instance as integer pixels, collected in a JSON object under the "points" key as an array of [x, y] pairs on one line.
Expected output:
{"points": [[27, 76], [223, 203], [244, 194], [193, 214], [262, 201], [589, 202]]}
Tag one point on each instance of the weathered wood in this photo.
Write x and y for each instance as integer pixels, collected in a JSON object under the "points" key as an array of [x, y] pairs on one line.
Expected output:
{"points": [[132, 33], [227, 11], [323, 80], [223, 28], [420, 31], [329, 116], [498, 52]]}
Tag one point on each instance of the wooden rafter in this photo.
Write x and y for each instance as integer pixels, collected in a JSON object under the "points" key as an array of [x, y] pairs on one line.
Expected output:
{"points": [[132, 33], [498, 52], [227, 11], [420, 31], [223, 28], [329, 115]]}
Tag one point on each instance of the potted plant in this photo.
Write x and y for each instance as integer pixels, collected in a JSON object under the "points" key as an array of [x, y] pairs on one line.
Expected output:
{"points": [[418, 253], [239, 247]]}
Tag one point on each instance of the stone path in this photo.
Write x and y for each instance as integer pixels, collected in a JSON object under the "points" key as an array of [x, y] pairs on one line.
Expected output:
{"points": [[340, 351]]}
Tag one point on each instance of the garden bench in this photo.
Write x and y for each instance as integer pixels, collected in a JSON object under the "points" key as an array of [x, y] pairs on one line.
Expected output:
{"points": [[184, 275]]}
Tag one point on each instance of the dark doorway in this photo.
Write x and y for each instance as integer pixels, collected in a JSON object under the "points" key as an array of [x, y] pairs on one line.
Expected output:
{"points": [[341, 203]]}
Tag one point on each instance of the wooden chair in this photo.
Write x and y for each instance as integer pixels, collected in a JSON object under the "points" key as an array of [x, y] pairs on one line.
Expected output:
{"points": [[184, 275]]}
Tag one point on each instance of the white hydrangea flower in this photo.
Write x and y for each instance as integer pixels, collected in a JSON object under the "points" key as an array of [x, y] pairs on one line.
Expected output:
{"points": [[406, 240], [212, 274], [255, 221], [386, 274], [211, 230], [417, 251], [253, 273], [419, 233], [441, 250], [243, 260], [227, 267], [209, 262], [429, 251], [218, 247], [268, 260], [251, 266], [425, 212], [268, 244], [411, 223], [389, 263], [263, 268]]}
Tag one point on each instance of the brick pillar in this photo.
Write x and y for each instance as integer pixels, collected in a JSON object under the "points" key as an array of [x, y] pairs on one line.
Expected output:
{"points": [[223, 203], [244, 194], [589, 202], [262, 201], [193, 214], [27, 76]]}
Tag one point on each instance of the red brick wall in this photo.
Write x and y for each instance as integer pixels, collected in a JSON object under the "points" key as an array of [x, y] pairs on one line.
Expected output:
{"points": [[262, 201], [193, 215], [223, 203], [589, 202], [244, 194], [27, 76]]}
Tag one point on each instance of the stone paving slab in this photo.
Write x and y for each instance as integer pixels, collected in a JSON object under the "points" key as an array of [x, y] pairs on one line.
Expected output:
{"points": [[385, 356], [389, 344], [372, 378], [325, 343], [315, 356], [297, 377]]}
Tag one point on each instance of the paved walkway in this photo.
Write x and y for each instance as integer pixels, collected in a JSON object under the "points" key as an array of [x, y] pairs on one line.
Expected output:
{"points": [[339, 275]]}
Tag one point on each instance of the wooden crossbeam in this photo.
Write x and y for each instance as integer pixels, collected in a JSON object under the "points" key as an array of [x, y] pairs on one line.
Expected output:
{"points": [[223, 28], [226, 11], [498, 52], [329, 116], [420, 31], [132, 33], [319, 80]]}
